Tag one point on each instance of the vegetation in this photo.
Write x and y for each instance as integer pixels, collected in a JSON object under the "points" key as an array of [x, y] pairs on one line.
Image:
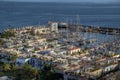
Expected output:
{"points": [[48, 73], [1, 42], [32, 32], [34, 56], [27, 72], [7, 34], [6, 67], [11, 58], [18, 73], [14, 57]]}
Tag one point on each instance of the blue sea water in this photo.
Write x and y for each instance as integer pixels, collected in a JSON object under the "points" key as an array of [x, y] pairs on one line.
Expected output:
{"points": [[21, 14]]}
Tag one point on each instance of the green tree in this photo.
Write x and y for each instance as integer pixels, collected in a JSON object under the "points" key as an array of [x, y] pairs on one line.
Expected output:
{"points": [[47, 67], [14, 57], [1, 42], [27, 66], [32, 32], [1, 68], [13, 67], [1, 73], [7, 34], [6, 67]]}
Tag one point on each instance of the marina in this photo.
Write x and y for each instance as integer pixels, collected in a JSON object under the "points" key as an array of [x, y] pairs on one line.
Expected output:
{"points": [[69, 50], [84, 36], [59, 40]]}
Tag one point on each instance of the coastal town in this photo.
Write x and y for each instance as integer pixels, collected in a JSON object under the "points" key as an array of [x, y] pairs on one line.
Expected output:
{"points": [[65, 48]]}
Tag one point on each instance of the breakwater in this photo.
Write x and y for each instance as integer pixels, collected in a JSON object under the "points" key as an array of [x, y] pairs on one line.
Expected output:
{"points": [[95, 29]]}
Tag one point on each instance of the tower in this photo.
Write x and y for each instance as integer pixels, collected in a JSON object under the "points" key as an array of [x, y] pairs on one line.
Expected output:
{"points": [[54, 27]]}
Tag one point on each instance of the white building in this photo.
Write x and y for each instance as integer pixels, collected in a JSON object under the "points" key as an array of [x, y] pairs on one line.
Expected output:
{"points": [[73, 49], [54, 27], [110, 68]]}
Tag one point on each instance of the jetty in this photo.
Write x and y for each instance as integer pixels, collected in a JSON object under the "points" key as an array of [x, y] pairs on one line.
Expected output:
{"points": [[88, 28]]}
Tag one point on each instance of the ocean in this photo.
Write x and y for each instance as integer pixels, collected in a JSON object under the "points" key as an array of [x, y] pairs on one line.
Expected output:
{"points": [[19, 14]]}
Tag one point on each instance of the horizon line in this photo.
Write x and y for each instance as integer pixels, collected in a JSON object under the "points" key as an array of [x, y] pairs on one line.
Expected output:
{"points": [[63, 2]]}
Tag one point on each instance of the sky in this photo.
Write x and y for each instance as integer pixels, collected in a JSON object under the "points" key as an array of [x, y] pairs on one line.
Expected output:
{"points": [[97, 1]]}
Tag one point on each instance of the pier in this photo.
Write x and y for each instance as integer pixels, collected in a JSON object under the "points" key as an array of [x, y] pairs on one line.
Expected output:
{"points": [[95, 29]]}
